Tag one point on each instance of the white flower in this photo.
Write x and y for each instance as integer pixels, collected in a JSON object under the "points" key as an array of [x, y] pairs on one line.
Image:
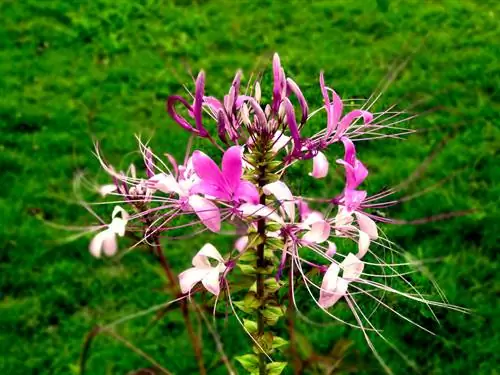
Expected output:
{"points": [[203, 271], [105, 241]]}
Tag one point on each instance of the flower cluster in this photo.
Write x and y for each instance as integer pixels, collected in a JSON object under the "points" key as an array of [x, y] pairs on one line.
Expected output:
{"points": [[280, 234]]}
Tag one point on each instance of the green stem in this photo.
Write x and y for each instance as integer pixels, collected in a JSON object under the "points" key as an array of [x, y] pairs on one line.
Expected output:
{"points": [[261, 228]]}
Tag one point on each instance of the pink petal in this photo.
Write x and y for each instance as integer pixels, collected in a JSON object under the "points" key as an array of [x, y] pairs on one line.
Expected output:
{"points": [[208, 189], [211, 281], [206, 169], [320, 231], [293, 87], [332, 249], [328, 299], [353, 199], [247, 192], [207, 211], [350, 118], [232, 168], [241, 243], [283, 194], [190, 277], [320, 166], [352, 267], [367, 225]]}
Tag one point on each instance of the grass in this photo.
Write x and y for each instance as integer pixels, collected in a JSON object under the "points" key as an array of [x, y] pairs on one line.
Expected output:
{"points": [[76, 71]]}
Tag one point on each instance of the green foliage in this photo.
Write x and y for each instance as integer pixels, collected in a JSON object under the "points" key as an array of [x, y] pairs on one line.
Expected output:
{"points": [[74, 71]]}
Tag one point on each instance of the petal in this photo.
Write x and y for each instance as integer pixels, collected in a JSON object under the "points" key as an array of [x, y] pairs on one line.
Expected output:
{"points": [[211, 281], [353, 199], [332, 249], [293, 87], [189, 278], [232, 168], [207, 170], [328, 299], [352, 267], [320, 166], [95, 246], [166, 183], [349, 118], [247, 192], [280, 140], [208, 189], [118, 210], [259, 210], [213, 103], [118, 226], [241, 243], [209, 250], [207, 211], [171, 102], [107, 189], [320, 231], [283, 194], [110, 245], [363, 244], [367, 225], [198, 103], [292, 125]]}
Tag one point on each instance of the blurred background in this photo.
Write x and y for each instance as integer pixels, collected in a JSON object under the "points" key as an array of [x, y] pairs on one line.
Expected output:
{"points": [[72, 72]]}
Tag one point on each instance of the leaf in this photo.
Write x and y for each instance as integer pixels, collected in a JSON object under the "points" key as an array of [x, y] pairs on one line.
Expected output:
{"points": [[272, 314], [275, 368], [250, 325], [279, 343], [250, 362], [247, 268], [249, 303], [272, 285]]}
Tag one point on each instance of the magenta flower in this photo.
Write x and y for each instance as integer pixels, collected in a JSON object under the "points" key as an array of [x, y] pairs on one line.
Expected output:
{"points": [[225, 184]]}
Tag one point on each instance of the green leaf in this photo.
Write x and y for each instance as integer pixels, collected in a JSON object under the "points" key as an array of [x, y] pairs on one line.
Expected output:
{"points": [[250, 362], [250, 325], [272, 285], [275, 368], [247, 268], [279, 343], [272, 314]]}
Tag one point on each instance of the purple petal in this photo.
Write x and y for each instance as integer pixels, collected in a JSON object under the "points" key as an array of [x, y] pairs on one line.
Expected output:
{"points": [[213, 103], [349, 118], [333, 109], [279, 83], [293, 87], [292, 125], [232, 166], [207, 211], [171, 102], [198, 103]]}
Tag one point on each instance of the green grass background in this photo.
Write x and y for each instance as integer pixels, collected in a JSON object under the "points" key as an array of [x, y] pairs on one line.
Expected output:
{"points": [[72, 71]]}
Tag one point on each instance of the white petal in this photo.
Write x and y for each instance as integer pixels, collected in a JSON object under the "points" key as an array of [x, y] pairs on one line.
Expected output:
{"points": [[259, 210], [95, 246], [363, 244], [189, 278], [105, 240], [283, 195], [118, 210], [320, 166], [280, 140], [110, 245], [367, 225], [209, 250], [343, 218], [166, 183], [352, 267], [117, 226], [313, 217], [320, 231], [207, 211], [106, 189], [211, 281]]}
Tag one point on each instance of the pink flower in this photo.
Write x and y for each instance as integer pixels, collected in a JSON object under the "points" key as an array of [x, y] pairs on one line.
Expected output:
{"points": [[206, 210], [203, 271], [334, 287], [105, 241], [226, 184]]}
